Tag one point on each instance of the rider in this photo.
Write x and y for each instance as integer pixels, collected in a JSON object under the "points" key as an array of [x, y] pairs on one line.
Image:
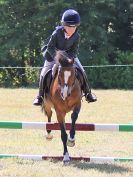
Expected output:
{"points": [[66, 38]]}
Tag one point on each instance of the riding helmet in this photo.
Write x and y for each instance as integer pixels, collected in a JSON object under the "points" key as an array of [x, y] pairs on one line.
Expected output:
{"points": [[70, 18]]}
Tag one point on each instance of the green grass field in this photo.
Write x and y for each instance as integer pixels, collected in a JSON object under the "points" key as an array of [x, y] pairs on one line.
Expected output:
{"points": [[113, 106]]}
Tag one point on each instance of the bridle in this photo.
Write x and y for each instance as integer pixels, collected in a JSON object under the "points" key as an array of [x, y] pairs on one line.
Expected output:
{"points": [[66, 85]]}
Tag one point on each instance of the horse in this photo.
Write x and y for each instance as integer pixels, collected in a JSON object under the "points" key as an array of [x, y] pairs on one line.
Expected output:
{"points": [[64, 96]]}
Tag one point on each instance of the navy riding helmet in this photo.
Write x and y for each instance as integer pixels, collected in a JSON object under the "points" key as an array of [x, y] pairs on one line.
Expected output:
{"points": [[70, 18]]}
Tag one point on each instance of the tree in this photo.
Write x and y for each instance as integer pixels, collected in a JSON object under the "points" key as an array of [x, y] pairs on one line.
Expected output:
{"points": [[106, 33]]}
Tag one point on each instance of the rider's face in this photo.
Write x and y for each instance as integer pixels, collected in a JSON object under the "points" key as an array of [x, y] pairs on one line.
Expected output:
{"points": [[70, 30]]}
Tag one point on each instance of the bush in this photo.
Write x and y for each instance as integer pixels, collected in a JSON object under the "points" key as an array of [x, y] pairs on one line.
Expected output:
{"points": [[114, 77]]}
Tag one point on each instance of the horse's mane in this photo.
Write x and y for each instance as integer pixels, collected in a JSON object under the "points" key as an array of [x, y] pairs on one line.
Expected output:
{"points": [[63, 59]]}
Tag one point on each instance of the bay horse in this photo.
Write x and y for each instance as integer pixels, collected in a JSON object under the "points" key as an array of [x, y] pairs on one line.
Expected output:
{"points": [[64, 96]]}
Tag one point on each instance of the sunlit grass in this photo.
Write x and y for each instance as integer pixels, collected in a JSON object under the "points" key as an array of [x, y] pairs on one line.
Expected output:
{"points": [[113, 106]]}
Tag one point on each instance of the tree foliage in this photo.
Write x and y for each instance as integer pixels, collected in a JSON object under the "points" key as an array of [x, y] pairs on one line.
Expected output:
{"points": [[106, 37]]}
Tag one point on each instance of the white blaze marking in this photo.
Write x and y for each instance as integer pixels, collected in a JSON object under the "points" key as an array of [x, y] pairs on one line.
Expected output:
{"points": [[67, 74]]}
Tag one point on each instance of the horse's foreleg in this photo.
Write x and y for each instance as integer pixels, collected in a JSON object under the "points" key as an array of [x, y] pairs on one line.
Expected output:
{"points": [[64, 140], [61, 120], [74, 116]]}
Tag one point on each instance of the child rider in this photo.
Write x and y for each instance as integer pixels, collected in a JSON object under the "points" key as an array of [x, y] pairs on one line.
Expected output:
{"points": [[66, 38]]}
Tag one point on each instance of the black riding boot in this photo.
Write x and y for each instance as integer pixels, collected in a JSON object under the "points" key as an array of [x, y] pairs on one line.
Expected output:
{"points": [[39, 99], [90, 97]]}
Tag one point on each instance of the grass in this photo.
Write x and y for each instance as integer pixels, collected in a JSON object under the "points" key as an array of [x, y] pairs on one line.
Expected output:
{"points": [[113, 106]]}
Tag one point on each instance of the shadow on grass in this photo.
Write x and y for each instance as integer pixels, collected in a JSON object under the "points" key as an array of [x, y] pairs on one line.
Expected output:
{"points": [[101, 167], [108, 168]]}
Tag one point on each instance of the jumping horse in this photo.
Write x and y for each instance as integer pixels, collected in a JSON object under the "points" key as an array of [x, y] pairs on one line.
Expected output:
{"points": [[64, 96]]}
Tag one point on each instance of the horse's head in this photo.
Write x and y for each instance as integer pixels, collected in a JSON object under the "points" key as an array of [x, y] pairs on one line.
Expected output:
{"points": [[66, 73]]}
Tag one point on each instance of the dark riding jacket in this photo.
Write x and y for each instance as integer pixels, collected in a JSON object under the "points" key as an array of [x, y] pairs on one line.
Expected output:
{"points": [[59, 42]]}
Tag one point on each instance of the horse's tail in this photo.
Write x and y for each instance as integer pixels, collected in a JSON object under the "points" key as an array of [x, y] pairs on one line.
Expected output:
{"points": [[43, 108]]}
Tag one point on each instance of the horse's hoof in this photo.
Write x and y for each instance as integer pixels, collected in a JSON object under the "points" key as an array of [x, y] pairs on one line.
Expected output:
{"points": [[49, 136], [66, 158], [70, 142]]}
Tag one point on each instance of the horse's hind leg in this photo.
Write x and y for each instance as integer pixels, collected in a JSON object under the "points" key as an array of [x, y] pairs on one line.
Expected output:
{"points": [[71, 137], [48, 113]]}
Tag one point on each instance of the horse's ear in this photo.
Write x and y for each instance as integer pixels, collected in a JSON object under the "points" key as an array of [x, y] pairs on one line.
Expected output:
{"points": [[59, 56], [71, 61]]}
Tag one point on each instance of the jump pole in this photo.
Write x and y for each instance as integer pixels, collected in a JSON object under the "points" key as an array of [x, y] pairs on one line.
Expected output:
{"points": [[60, 158], [55, 126]]}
